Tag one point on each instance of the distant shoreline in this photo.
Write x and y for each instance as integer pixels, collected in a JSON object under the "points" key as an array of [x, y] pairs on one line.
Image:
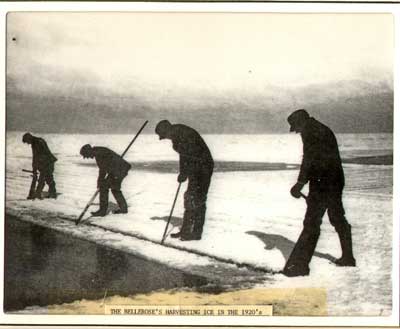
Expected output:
{"points": [[383, 160], [238, 166]]}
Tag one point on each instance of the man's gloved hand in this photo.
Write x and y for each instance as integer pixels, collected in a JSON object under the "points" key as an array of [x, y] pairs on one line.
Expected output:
{"points": [[181, 178], [295, 191]]}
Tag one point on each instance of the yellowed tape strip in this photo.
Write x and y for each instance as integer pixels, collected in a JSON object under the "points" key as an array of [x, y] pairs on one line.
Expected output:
{"points": [[190, 310]]}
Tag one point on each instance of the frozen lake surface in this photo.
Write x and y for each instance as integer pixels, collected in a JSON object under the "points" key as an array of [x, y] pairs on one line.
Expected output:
{"points": [[249, 202]]}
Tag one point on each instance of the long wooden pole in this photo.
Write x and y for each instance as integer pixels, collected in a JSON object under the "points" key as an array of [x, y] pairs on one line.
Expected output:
{"points": [[170, 214], [97, 191]]}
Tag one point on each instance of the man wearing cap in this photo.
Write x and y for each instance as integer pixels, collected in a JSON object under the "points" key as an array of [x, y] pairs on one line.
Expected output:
{"points": [[195, 165], [322, 169], [112, 170], [43, 161]]}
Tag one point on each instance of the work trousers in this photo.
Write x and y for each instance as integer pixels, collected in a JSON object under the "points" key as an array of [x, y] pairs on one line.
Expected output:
{"points": [[195, 199], [321, 198], [113, 183], [46, 176]]}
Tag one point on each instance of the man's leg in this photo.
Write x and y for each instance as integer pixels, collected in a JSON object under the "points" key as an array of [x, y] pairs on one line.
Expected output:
{"points": [[187, 224], [50, 181], [103, 200], [115, 183], [199, 217], [337, 218], [186, 228], [303, 251], [32, 190], [40, 186], [203, 184]]}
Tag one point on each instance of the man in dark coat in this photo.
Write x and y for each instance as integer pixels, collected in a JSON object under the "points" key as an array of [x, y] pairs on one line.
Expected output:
{"points": [[112, 170], [322, 169], [43, 161], [195, 165]]}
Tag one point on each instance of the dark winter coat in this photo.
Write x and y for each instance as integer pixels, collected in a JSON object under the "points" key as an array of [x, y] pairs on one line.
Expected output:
{"points": [[42, 157], [194, 155], [321, 159], [110, 163]]}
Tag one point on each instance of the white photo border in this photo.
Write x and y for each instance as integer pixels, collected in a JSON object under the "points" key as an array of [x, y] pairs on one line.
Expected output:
{"points": [[392, 8]]}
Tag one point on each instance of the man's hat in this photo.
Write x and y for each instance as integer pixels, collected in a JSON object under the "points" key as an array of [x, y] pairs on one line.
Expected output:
{"points": [[26, 138], [162, 128], [297, 117], [85, 149]]}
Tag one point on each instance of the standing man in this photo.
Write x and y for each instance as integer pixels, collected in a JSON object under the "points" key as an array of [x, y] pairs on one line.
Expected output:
{"points": [[322, 169], [195, 165], [112, 170], [42, 161]]}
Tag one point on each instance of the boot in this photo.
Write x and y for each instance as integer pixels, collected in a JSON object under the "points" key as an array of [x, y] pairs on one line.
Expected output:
{"points": [[103, 204], [345, 262], [52, 191], [52, 195], [176, 235], [119, 211], [297, 264], [31, 195], [190, 237], [347, 258], [296, 270], [199, 218], [38, 195], [119, 197], [186, 229], [39, 189], [99, 213]]}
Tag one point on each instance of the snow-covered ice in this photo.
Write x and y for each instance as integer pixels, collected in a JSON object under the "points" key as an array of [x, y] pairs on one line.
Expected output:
{"points": [[251, 217]]}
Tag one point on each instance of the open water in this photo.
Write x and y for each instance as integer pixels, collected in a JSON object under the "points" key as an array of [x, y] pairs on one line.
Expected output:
{"points": [[44, 267]]}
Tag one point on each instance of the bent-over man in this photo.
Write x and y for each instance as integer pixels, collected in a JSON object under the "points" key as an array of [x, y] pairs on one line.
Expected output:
{"points": [[195, 165], [112, 170], [43, 161], [322, 169]]}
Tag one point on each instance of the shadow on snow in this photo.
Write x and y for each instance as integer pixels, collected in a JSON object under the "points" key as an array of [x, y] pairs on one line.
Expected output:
{"points": [[285, 245]]}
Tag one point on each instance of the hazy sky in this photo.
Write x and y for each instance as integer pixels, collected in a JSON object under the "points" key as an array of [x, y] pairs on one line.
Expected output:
{"points": [[167, 58]]}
